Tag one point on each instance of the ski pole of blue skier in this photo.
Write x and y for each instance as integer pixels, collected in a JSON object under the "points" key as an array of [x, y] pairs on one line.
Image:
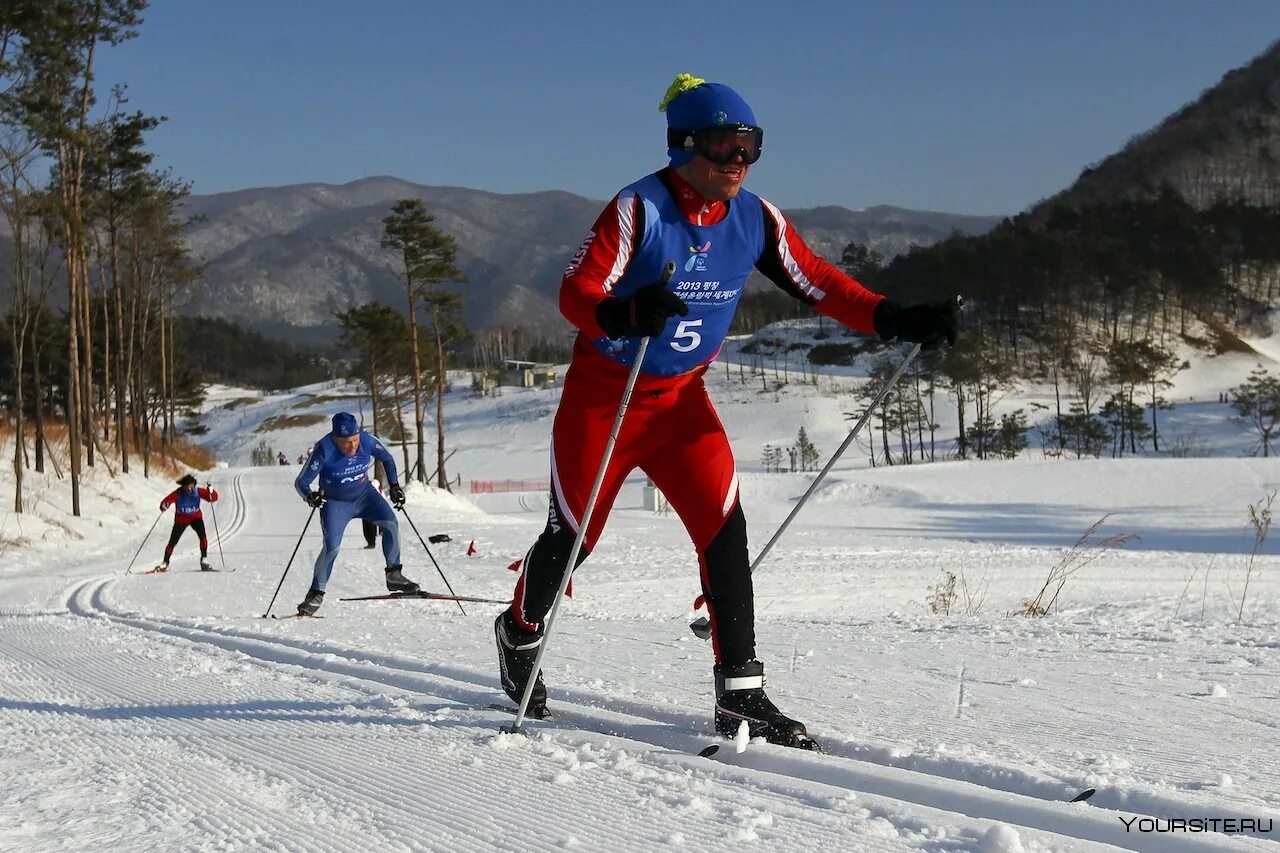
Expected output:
{"points": [[585, 524], [144, 542], [853, 433], [405, 513], [290, 563], [216, 535]]}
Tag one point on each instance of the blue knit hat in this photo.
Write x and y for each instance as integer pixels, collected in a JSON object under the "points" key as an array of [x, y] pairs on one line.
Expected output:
{"points": [[692, 103], [345, 425]]}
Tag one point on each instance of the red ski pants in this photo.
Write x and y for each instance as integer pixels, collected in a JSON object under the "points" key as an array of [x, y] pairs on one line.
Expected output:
{"points": [[672, 433]]}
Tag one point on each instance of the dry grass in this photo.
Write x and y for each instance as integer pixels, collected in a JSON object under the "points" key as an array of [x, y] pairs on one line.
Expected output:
{"points": [[1079, 555], [1260, 523], [191, 454], [185, 455], [289, 421], [321, 399], [954, 593]]}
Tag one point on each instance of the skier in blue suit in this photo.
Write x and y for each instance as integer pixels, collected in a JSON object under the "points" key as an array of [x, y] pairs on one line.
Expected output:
{"points": [[341, 460]]}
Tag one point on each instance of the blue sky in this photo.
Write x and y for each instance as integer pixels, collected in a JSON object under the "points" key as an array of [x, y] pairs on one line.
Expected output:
{"points": [[968, 107]]}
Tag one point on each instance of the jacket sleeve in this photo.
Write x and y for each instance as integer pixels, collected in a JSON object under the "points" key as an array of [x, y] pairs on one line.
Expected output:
{"points": [[388, 461], [210, 495], [793, 266], [168, 500], [601, 260], [310, 470]]}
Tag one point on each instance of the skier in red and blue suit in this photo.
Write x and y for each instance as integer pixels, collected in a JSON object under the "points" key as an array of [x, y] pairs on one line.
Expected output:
{"points": [[185, 501], [695, 213]]}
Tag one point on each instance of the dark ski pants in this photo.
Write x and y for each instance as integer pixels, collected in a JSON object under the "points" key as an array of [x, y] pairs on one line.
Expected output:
{"points": [[335, 515], [672, 433], [180, 527]]}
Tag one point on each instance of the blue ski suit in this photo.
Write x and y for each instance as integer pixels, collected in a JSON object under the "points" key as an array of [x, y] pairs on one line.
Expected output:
{"points": [[344, 482]]}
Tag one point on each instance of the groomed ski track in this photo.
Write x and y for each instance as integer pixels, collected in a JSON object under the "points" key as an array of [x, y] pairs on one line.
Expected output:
{"points": [[239, 736]]}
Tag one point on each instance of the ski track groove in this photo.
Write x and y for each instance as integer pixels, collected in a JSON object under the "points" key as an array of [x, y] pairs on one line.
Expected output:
{"points": [[329, 767], [243, 821], [773, 773], [624, 735]]}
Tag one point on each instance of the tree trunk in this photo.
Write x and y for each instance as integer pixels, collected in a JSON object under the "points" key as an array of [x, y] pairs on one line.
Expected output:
{"points": [[442, 481], [1155, 428], [73, 370], [418, 414], [38, 408], [122, 441], [18, 336], [373, 392], [86, 363], [884, 432], [404, 435], [171, 410]]}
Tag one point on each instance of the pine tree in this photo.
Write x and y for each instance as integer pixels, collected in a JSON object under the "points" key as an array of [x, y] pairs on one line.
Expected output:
{"points": [[1257, 401], [428, 257], [805, 451]]}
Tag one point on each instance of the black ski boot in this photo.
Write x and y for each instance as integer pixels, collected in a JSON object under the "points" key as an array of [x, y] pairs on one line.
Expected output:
{"points": [[205, 565], [517, 649], [397, 582], [740, 696], [310, 604]]}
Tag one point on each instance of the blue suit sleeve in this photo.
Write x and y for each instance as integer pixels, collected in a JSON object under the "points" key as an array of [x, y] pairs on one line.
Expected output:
{"points": [[309, 472], [384, 456]]}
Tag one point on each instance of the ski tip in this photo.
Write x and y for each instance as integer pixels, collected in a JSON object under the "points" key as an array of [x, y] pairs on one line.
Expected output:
{"points": [[533, 712], [1084, 795], [806, 743], [701, 628], [709, 751]]}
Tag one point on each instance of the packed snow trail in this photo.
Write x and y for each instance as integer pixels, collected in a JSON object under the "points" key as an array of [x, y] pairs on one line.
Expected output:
{"points": [[160, 713]]}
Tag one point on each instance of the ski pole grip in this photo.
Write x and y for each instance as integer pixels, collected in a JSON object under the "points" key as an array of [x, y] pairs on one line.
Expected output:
{"points": [[668, 271]]}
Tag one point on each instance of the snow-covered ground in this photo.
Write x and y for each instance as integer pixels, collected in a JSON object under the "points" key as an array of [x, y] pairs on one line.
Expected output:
{"points": [[163, 712]]}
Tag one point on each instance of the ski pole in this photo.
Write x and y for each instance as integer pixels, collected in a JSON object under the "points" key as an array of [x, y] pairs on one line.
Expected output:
{"points": [[433, 559], [853, 433], [584, 524], [702, 625], [290, 563], [144, 542], [216, 535]]}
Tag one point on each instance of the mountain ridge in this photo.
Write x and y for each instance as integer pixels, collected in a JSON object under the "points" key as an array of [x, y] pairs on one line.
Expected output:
{"points": [[286, 258]]}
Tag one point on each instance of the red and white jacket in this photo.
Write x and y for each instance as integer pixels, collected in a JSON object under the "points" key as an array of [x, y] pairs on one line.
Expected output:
{"points": [[787, 261]]}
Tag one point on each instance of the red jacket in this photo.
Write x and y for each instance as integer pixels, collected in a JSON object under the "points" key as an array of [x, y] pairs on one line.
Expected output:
{"points": [[788, 262], [188, 503]]}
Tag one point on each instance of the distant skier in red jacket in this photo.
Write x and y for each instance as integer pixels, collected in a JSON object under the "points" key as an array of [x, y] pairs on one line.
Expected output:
{"points": [[186, 502], [695, 213]]}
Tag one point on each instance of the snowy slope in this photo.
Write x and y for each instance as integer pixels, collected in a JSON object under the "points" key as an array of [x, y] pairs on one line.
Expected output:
{"points": [[162, 712]]}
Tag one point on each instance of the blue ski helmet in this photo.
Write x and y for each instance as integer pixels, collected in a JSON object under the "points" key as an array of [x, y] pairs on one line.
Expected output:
{"points": [[345, 425]]}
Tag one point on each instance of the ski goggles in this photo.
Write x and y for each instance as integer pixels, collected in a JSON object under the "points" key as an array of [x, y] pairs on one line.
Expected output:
{"points": [[721, 145]]}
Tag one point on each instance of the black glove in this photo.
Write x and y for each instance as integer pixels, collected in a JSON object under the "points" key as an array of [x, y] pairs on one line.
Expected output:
{"points": [[397, 495], [315, 500], [641, 315], [927, 324]]}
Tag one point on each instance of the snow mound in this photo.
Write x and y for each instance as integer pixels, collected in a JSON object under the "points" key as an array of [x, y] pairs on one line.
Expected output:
{"points": [[430, 498]]}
